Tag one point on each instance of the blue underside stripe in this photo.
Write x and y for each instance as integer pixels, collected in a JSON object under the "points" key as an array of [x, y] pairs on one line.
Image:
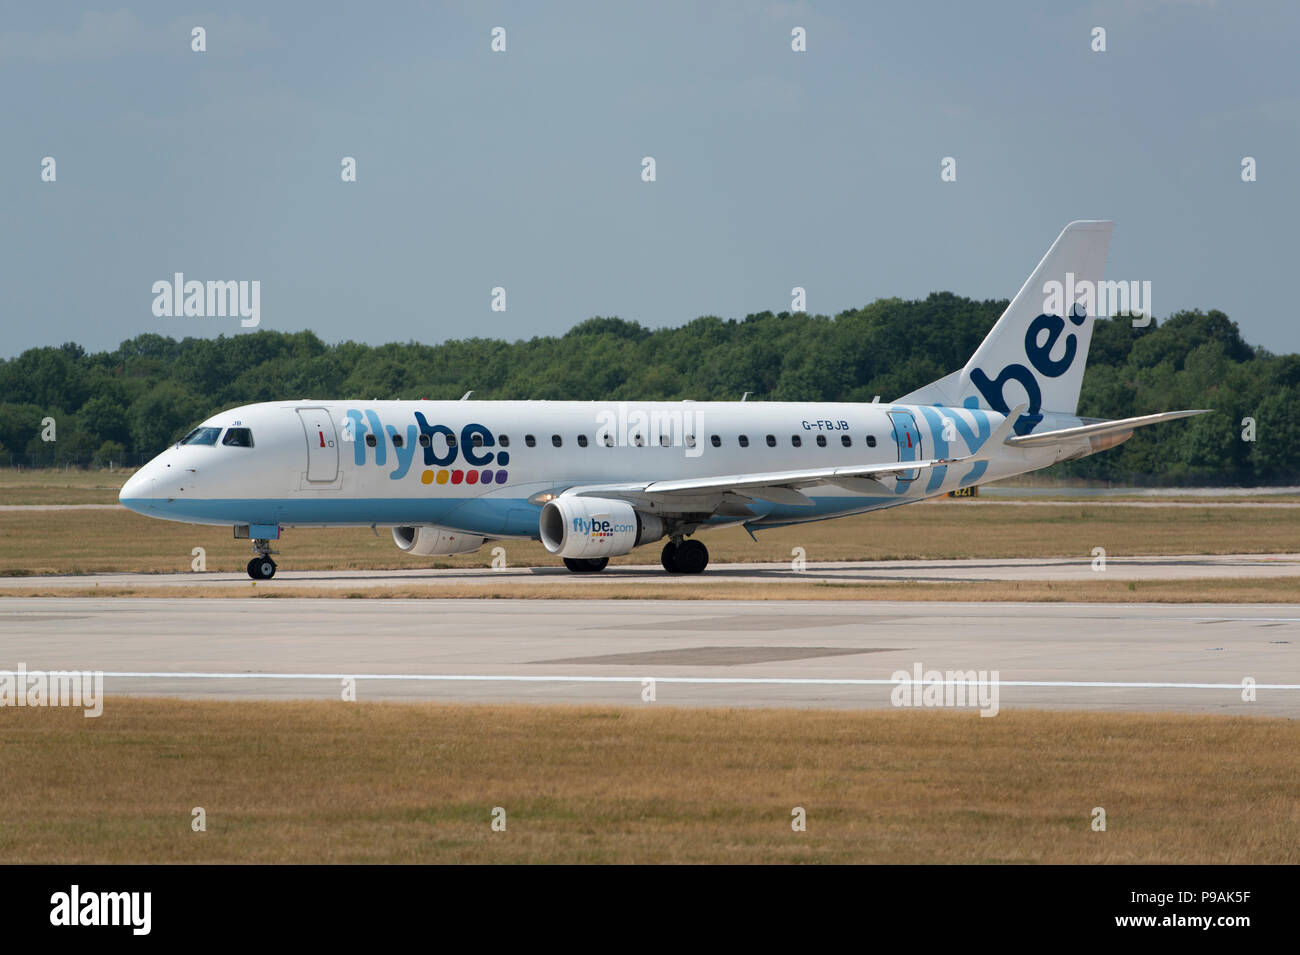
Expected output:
{"points": [[480, 515]]}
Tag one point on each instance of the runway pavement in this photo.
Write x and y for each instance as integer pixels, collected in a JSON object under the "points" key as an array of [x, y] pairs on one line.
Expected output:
{"points": [[1190, 658], [1238, 566]]}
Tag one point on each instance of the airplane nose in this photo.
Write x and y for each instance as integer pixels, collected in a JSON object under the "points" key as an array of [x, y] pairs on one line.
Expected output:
{"points": [[138, 491]]}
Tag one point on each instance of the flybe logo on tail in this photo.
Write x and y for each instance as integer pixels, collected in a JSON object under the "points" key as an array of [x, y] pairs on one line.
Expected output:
{"points": [[1039, 355]]}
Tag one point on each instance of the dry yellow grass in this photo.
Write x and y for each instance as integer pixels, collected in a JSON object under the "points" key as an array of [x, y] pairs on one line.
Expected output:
{"points": [[62, 542], [340, 782], [1209, 590], [60, 486]]}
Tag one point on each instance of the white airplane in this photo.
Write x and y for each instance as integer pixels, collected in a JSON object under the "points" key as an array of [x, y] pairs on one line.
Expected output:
{"points": [[593, 480]]}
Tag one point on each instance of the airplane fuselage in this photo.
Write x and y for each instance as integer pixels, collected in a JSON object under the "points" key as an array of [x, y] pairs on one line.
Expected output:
{"points": [[486, 467]]}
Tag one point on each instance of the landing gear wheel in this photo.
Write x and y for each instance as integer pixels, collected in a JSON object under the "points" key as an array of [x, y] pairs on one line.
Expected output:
{"points": [[668, 557], [691, 557], [261, 568], [586, 565]]}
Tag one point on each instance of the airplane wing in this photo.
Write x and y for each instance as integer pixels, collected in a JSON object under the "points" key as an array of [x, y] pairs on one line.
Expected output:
{"points": [[1097, 430], [727, 493]]}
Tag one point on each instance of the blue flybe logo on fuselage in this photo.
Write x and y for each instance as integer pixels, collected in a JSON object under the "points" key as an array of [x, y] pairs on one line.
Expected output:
{"points": [[474, 443]]}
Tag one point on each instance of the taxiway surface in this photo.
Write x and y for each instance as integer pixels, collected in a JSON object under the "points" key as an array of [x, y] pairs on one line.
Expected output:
{"points": [[1194, 658]]}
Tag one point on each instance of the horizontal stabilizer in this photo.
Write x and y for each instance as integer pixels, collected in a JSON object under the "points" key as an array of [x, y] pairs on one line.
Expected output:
{"points": [[1097, 430]]}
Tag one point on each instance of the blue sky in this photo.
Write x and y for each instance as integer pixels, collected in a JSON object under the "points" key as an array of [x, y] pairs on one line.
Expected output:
{"points": [[522, 169]]}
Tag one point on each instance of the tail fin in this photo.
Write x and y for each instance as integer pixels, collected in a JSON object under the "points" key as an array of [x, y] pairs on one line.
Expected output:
{"points": [[1033, 354]]}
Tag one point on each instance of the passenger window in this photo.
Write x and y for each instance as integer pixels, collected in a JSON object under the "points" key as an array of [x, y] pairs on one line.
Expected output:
{"points": [[609, 440], [424, 441], [664, 440], [743, 440], [690, 440], [846, 441], [821, 440], [771, 441], [556, 440], [478, 440], [503, 440], [397, 440], [238, 438], [530, 440], [871, 440], [371, 441], [582, 440], [796, 440], [715, 440], [637, 441]]}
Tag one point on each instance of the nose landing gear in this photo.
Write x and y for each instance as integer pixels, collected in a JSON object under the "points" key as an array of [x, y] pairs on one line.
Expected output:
{"points": [[262, 567]]}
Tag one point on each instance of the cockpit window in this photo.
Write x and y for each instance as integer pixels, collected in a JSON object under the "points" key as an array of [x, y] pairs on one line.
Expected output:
{"points": [[202, 436], [238, 438]]}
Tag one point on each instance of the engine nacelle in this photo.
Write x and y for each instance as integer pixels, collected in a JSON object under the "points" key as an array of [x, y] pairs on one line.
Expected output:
{"points": [[425, 540], [596, 527]]}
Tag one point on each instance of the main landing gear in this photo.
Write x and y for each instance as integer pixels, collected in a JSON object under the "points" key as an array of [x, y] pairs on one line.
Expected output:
{"points": [[586, 565], [262, 567], [678, 557], [685, 557]]}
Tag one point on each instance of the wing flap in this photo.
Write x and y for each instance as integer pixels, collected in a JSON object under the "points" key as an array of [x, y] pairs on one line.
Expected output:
{"points": [[780, 495]]}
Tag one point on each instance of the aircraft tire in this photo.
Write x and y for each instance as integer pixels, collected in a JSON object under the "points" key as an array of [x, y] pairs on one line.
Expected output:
{"points": [[691, 557], [261, 568], [668, 557], [586, 565]]}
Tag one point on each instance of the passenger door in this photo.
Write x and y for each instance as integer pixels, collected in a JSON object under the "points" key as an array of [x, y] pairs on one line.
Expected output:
{"points": [[322, 445], [908, 438]]}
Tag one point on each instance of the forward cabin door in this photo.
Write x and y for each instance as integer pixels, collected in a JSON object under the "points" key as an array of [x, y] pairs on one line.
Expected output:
{"points": [[322, 445], [908, 438]]}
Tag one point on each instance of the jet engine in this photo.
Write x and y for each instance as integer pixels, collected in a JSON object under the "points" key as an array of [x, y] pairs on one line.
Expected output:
{"points": [[594, 527], [427, 540]]}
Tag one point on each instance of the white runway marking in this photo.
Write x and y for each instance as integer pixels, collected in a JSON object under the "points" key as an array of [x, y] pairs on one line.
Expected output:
{"points": [[1145, 657], [1244, 619], [714, 681]]}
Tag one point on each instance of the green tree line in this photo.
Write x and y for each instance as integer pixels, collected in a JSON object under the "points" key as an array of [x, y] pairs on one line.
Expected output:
{"points": [[132, 402]]}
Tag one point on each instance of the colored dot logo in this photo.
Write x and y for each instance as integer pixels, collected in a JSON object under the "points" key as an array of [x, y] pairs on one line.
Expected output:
{"points": [[457, 476]]}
